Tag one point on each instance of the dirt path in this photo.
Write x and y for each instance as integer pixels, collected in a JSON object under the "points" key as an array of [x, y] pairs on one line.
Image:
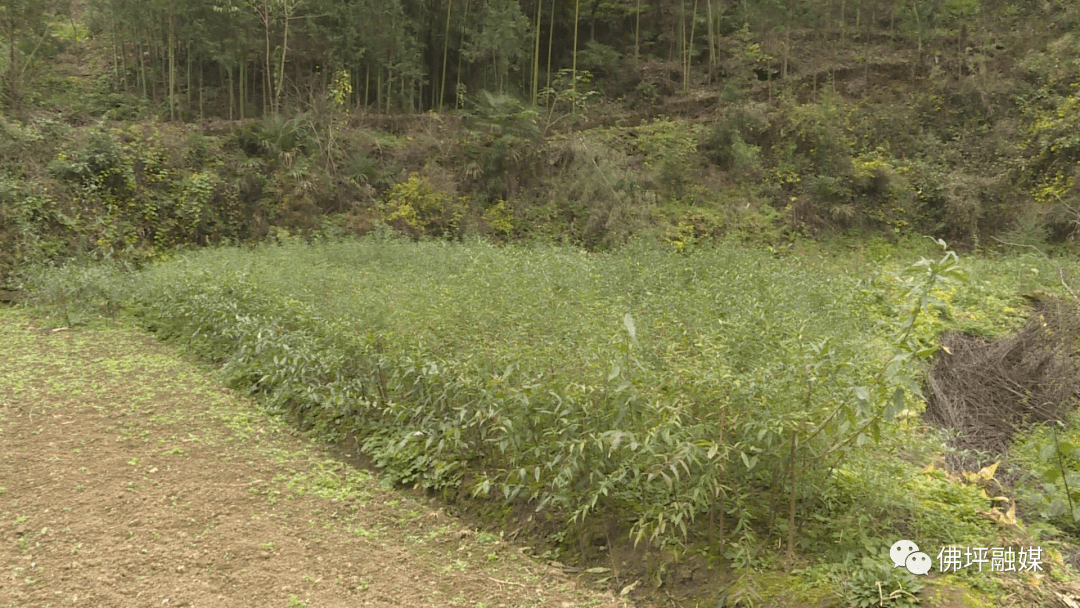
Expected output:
{"points": [[128, 478]]}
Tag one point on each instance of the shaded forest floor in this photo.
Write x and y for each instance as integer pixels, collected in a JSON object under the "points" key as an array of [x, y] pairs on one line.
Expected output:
{"points": [[129, 479]]}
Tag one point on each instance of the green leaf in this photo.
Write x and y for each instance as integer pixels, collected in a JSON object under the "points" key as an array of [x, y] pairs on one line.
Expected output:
{"points": [[926, 353], [896, 405], [1047, 452], [748, 461], [628, 323], [616, 439], [1056, 508]]}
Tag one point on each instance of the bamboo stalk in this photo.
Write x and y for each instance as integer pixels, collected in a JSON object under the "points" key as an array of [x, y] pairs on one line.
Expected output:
{"points": [[551, 39], [445, 54], [573, 84], [536, 53]]}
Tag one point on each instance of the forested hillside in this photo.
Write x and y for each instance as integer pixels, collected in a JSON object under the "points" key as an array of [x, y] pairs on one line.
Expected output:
{"points": [[138, 126]]}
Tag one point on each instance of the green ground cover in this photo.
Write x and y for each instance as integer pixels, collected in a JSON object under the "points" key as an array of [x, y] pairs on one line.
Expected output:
{"points": [[725, 401]]}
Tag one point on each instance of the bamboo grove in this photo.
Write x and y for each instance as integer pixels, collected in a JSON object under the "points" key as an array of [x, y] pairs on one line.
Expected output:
{"points": [[244, 58]]}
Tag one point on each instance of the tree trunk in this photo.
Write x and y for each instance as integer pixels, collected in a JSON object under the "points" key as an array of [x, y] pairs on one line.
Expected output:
{"points": [[243, 86], [123, 65], [573, 83], [188, 53], [458, 102], [637, 32], [171, 41], [232, 102], [267, 69], [690, 48], [551, 39], [445, 54], [142, 67], [787, 51], [843, 18], [288, 11], [154, 69], [389, 88], [115, 67], [13, 84], [712, 39], [536, 52], [265, 90]]}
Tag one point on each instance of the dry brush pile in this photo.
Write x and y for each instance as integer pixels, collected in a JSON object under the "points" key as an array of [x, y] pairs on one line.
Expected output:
{"points": [[987, 390]]}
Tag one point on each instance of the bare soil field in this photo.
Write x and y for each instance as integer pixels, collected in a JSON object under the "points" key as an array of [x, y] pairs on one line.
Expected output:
{"points": [[129, 478]]}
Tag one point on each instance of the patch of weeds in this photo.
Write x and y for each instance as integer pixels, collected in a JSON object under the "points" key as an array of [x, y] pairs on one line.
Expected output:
{"points": [[443, 530], [363, 532], [456, 564], [879, 584]]}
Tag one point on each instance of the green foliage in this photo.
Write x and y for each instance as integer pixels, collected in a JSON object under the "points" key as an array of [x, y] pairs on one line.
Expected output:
{"points": [[275, 137], [645, 382], [500, 218], [500, 36], [79, 293], [1050, 454], [38, 230], [417, 209], [598, 58], [567, 94], [503, 145], [669, 149]]}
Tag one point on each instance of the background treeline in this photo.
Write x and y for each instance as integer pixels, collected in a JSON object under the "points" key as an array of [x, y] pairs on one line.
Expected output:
{"points": [[236, 59]]}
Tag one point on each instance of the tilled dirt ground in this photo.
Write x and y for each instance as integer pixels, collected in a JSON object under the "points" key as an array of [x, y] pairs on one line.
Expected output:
{"points": [[128, 478]]}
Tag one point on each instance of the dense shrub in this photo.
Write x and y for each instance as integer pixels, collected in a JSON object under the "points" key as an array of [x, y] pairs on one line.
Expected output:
{"points": [[664, 386]]}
